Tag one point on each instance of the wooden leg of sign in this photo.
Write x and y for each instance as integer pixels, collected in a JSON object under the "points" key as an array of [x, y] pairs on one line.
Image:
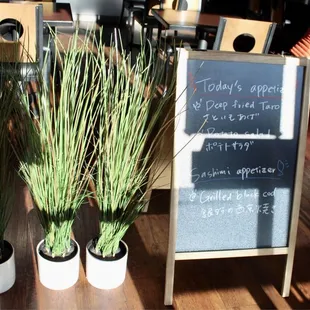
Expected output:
{"points": [[171, 251], [286, 285], [169, 276]]}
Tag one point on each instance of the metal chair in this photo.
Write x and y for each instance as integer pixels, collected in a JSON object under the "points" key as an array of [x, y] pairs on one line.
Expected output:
{"points": [[21, 41], [175, 38], [140, 12], [21, 32], [189, 5], [244, 35], [105, 12]]}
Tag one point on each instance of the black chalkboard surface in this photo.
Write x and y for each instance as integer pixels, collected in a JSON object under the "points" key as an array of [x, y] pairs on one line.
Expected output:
{"points": [[236, 174]]}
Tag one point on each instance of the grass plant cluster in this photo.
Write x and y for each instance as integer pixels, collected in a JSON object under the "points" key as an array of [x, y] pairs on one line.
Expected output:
{"points": [[100, 120], [131, 124], [56, 165]]}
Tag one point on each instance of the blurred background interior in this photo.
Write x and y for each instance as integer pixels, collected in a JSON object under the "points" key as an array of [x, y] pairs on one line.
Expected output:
{"points": [[291, 16], [132, 16]]}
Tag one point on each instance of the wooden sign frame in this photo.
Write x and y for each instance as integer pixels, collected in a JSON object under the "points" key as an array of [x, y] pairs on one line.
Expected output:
{"points": [[289, 251]]}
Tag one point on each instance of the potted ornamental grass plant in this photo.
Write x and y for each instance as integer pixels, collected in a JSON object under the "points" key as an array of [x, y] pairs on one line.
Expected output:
{"points": [[9, 88], [56, 163], [131, 111]]}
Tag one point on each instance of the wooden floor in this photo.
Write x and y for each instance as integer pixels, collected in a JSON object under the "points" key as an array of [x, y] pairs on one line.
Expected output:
{"points": [[239, 283], [242, 283]]}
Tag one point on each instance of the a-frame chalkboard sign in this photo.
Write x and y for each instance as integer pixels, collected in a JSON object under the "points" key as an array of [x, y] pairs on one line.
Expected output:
{"points": [[236, 181]]}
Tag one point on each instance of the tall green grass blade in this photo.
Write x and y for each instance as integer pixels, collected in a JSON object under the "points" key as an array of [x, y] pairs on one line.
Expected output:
{"points": [[131, 108], [57, 162]]}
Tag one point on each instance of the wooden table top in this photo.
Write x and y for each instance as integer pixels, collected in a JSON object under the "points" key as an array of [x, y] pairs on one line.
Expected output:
{"points": [[54, 14], [57, 14], [173, 19]]}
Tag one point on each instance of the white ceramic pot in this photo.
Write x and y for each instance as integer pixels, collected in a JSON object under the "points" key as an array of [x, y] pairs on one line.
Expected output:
{"points": [[7, 272], [105, 274], [58, 275]]}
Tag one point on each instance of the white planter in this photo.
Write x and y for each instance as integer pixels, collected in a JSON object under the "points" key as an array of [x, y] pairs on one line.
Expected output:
{"points": [[7, 272], [58, 275], [105, 274]]}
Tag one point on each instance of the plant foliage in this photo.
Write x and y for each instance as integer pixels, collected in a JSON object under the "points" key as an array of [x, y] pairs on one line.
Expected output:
{"points": [[56, 164], [130, 128]]}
